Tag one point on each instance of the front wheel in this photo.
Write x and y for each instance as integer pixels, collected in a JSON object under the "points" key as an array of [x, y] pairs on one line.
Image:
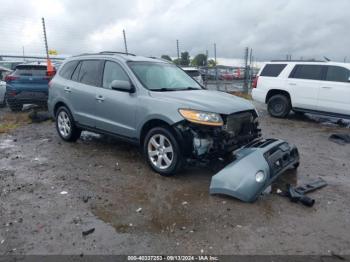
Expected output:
{"points": [[162, 151], [279, 106], [65, 125]]}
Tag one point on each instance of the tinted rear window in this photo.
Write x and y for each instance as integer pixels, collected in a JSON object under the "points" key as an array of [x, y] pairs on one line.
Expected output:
{"points": [[313, 72], [30, 70], [272, 70], [337, 74], [90, 72], [68, 69]]}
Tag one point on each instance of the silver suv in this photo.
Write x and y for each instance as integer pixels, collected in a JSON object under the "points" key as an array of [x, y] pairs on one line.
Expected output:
{"points": [[152, 103]]}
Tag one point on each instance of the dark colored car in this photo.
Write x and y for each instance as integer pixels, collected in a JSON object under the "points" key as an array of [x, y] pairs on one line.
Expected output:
{"points": [[28, 84]]}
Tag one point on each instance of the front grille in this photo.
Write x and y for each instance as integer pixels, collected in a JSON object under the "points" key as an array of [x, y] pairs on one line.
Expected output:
{"points": [[240, 124]]}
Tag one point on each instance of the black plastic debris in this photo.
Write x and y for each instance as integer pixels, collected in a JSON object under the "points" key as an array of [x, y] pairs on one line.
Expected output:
{"points": [[298, 194], [38, 117], [340, 139], [88, 232]]}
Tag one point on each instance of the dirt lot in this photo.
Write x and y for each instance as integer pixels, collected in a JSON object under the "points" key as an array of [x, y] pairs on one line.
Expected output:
{"points": [[107, 181]]}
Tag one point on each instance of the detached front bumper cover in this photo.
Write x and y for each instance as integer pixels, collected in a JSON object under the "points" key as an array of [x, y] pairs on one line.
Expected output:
{"points": [[256, 166]]}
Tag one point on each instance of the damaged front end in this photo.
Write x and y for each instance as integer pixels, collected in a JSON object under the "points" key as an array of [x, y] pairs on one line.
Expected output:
{"points": [[207, 143], [256, 166]]}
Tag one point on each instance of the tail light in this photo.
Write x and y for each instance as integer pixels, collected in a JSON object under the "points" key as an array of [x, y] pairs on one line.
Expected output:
{"points": [[255, 82], [10, 78]]}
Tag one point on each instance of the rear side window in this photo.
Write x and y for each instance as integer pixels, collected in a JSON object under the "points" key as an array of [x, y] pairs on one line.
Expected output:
{"points": [[68, 69], [272, 70], [313, 72], [30, 70], [90, 72], [192, 73], [337, 74], [113, 71]]}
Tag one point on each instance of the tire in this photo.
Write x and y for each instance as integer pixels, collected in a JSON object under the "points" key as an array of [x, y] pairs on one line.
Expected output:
{"points": [[279, 106], [15, 106], [161, 142], [65, 125]]}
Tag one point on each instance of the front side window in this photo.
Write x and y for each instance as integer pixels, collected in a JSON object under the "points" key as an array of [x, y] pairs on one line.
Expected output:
{"points": [[113, 71], [272, 70], [162, 77], [90, 72], [313, 72], [337, 74]]}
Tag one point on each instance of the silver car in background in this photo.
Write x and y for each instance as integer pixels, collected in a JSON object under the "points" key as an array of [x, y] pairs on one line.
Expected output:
{"points": [[151, 103], [194, 73]]}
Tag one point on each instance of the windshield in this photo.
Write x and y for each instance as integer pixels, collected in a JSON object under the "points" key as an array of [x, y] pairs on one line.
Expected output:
{"points": [[163, 77]]}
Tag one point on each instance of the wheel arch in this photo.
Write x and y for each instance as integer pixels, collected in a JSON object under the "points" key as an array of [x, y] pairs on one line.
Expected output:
{"points": [[273, 92]]}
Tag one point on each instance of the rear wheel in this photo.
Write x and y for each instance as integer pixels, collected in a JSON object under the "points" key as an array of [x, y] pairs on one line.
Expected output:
{"points": [[65, 125], [279, 106], [15, 106], [162, 151]]}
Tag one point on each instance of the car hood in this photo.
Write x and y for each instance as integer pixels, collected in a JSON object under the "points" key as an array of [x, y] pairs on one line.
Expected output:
{"points": [[205, 100]]}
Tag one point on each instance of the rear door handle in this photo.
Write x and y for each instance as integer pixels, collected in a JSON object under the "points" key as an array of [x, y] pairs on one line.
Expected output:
{"points": [[100, 98], [292, 84], [67, 89], [326, 87]]}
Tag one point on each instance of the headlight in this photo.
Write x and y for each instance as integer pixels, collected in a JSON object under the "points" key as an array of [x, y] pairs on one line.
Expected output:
{"points": [[260, 176], [200, 117]]}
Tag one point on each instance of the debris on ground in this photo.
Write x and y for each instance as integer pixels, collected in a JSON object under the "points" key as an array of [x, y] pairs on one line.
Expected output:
{"points": [[184, 203], [38, 117], [139, 210], [64, 193], [86, 198], [88, 232], [340, 139], [298, 194]]}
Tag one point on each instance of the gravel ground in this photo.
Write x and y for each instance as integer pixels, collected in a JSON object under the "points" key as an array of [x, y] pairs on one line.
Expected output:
{"points": [[52, 191]]}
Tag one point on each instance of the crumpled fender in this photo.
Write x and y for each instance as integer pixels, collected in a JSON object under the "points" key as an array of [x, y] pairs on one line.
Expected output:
{"points": [[238, 179]]}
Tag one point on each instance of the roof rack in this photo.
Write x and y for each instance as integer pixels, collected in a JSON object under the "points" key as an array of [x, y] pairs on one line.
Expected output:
{"points": [[113, 52], [310, 60], [105, 53]]}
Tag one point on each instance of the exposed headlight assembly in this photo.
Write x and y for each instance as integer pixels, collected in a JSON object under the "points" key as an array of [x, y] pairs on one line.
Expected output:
{"points": [[200, 117]]}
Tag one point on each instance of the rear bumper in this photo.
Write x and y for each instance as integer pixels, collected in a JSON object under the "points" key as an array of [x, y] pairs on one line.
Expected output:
{"points": [[27, 97], [272, 157], [259, 95]]}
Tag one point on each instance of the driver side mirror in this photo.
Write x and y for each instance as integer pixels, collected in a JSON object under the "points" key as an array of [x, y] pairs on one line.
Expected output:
{"points": [[124, 86]]}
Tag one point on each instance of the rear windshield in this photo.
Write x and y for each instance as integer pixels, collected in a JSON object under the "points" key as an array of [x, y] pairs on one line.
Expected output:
{"points": [[30, 70], [272, 70], [192, 73]]}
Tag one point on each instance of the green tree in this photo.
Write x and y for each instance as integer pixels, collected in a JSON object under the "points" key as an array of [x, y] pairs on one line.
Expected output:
{"points": [[176, 61], [199, 60], [211, 62], [166, 57], [185, 59]]}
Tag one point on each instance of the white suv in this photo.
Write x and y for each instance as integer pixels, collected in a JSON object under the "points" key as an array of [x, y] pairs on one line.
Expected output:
{"points": [[312, 87]]}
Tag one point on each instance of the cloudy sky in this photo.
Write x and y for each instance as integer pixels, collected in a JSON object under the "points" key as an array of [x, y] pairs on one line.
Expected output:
{"points": [[273, 28]]}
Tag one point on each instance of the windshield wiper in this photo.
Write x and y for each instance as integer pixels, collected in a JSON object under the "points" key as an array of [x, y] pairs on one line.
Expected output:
{"points": [[164, 89], [190, 88]]}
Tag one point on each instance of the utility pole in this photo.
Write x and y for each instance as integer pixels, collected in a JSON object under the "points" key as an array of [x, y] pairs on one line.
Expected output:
{"points": [[345, 59], [206, 68], [178, 51], [125, 45], [45, 39], [216, 67], [23, 53], [250, 66], [245, 84]]}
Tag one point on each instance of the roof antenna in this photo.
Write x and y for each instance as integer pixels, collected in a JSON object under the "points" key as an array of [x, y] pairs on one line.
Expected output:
{"points": [[326, 58]]}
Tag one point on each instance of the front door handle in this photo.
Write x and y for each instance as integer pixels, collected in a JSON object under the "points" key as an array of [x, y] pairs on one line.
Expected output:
{"points": [[100, 98], [292, 84], [67, 89], [326, 87]]}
